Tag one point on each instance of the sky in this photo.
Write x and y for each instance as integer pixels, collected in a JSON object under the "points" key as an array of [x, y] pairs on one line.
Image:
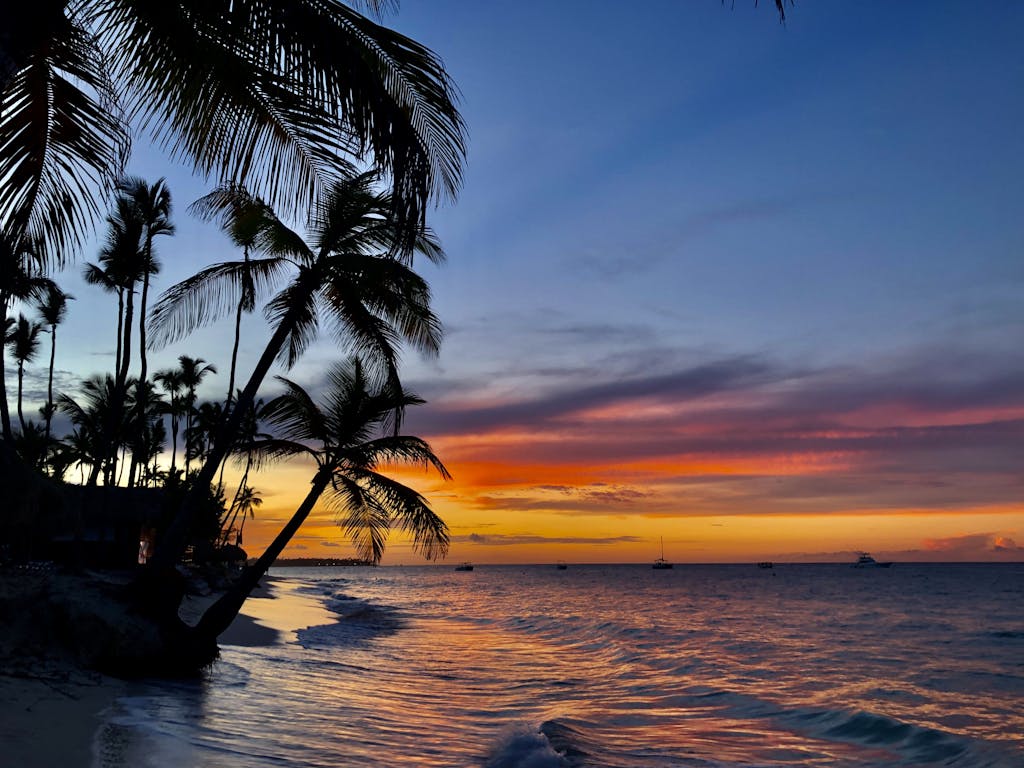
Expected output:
{"points": [[753, 289]]}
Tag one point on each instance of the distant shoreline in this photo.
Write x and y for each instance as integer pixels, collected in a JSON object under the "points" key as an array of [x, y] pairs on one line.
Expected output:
{"points": [[319, 562]]}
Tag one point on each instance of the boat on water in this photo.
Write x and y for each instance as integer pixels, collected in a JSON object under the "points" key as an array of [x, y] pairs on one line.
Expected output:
{"points": [[661, 563], [864, 560], [766, 564], [561, 565], [464, 567]]}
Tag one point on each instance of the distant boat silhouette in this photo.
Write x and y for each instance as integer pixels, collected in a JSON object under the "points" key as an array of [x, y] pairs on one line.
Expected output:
{"points": [[464, 567], [766, 564], [661, 563], [864, 560], [561, 565]]}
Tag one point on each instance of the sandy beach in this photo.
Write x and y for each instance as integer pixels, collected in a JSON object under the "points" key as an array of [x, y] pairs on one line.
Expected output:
{"points": [[52, 710]]}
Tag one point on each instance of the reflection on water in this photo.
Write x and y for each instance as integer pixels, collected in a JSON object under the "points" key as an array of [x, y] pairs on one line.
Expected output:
{"points": [[607, 666]]}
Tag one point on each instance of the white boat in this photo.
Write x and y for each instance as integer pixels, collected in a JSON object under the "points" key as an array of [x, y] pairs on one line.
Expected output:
{"points": [[864, 560], [661, 563]]}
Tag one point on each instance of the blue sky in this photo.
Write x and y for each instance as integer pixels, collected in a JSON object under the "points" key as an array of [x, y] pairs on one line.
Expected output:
{"points": [[830, 207]]}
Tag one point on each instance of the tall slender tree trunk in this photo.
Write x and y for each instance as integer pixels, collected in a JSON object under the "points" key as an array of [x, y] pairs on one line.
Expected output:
{"points": [[126, 347], [174, 433], [140, 413], [120, 326], [238, 327], [172, 546], [218, 617], [21, 378], [5, 413], [49, 381]]}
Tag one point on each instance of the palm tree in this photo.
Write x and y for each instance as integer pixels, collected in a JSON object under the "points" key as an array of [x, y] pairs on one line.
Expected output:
{"points": [[349, 435], [52, 308], [351, 274], [282, 95], [23, 341], [22, 263], [118, 270], [92, 421], [244, 222], [171, 381], [245, 504], [152, 208], [193, 371]]}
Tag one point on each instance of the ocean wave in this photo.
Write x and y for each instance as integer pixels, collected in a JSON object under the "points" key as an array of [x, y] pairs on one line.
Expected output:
{"points": [[525, 747]]}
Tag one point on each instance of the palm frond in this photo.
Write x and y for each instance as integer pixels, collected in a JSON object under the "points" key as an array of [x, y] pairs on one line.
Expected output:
{"points": [[362, 515], [412, 513], [207, 82], [295, 416], [275, 94], [62, 140], [209, 295], [270, 451], [299, 306], [403, 449]]}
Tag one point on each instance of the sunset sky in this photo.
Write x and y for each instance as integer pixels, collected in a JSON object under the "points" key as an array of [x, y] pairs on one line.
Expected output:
{"points": [[753, 288]]}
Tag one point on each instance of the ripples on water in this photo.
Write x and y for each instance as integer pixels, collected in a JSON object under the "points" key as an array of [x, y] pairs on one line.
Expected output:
{"points": [[612, 666]]}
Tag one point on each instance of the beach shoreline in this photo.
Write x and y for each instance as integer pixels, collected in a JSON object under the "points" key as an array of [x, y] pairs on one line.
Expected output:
{"points": [[53, 709]]}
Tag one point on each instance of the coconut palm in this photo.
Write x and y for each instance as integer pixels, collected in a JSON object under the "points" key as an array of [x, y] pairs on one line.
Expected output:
{"points": [[118, 270], [245, 504], [244, 219], [22, 266], [23, 341], [349, 274], [52, 308], [282, 95], [92, 421], [171, 381], [349, 436], [193, 371]]}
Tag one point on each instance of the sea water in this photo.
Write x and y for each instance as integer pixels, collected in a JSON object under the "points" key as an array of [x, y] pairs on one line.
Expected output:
{"points": [[612, 666]]}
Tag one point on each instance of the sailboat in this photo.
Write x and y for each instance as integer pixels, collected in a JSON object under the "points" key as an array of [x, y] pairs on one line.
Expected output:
{"points": [[661, 563]]}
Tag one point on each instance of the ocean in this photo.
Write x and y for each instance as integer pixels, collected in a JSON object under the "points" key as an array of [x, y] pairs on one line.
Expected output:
{"points": [[710, 666]]}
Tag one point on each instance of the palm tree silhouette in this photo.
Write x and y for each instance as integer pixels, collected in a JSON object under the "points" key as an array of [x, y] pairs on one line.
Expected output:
{"points": [[172, 382], [52, 308], [97, 440], [23, 341], [244, 220], [349, 435], [351, 274], [193, 371], [150, 205], [22, 263], [282, 95]]}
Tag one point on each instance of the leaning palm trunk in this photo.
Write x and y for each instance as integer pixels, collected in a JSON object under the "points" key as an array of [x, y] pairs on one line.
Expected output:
{"points": [[218, 617], [175, 538]]}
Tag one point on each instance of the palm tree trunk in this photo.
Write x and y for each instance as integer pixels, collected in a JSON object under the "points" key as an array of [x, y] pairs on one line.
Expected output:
{"points": [[120, 326], [140, 416], [218, 617], [175, 537], [5, 413], [49, 381], [174, 434], [126, 348], [21, 378]]}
